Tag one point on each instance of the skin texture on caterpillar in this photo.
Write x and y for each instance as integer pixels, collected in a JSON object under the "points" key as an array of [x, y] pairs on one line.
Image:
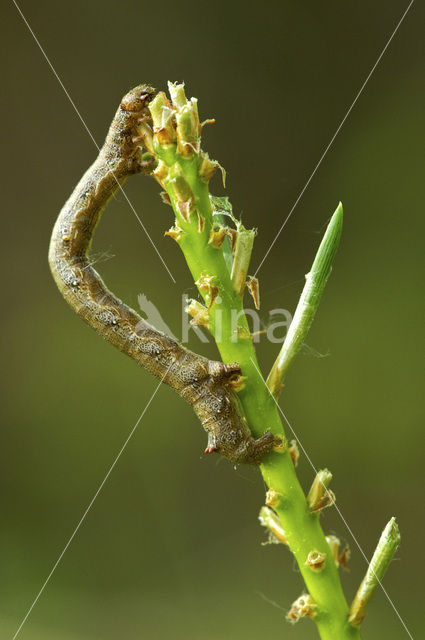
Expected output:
{"points": [[205, 384]]}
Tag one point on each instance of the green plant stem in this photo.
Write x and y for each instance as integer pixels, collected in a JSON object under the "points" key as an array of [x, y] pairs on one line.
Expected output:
{"points": [[302, 528]]}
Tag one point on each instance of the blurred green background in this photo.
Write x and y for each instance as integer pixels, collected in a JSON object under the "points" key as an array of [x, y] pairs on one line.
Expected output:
{"points": [[172, 546]]}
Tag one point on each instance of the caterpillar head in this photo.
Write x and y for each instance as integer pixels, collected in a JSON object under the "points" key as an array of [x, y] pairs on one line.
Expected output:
{"points": [[138, 98]]}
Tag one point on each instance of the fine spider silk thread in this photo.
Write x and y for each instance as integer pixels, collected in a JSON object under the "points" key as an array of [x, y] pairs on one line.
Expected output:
{"points": [[205, 384]]}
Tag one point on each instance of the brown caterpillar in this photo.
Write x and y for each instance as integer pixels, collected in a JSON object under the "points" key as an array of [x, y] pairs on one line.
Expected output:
{"points": [[204, 383]]}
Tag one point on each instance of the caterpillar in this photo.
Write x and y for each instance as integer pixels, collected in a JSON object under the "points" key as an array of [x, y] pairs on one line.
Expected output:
{"points": [[205, 384]]}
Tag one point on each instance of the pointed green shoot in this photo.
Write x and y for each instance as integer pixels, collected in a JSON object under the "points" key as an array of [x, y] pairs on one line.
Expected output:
{"points": [[308, 302], [384, 553]]}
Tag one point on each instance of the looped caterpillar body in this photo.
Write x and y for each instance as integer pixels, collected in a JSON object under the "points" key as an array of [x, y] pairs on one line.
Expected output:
{"points": [[204, 383]]}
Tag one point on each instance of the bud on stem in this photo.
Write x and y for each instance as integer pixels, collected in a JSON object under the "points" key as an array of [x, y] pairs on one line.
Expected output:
{"points": [[187, 119], [319, 497], [270, 520], [163, 117], [316, 560], [199, 313], [242, 256], [340, 558]]}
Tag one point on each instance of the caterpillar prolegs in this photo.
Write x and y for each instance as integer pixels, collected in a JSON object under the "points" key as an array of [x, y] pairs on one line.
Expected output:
{"points": [[205, 384]]}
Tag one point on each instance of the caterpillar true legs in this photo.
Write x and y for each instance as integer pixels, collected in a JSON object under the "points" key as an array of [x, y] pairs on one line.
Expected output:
{"points": [[204, 383]]}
